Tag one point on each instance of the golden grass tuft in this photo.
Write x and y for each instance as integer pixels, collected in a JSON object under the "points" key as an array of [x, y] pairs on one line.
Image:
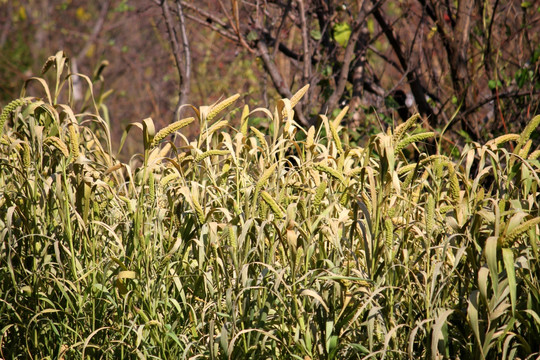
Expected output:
{"points": [[276, 209], [73, 141], [510, 238], [10, 107], [299, 95], [319, 193], [330, 171], [526, 133], [216, 109], [401, 129], [209, 153], [168, 130], [412, 139], [335, 136], [58, 144]]}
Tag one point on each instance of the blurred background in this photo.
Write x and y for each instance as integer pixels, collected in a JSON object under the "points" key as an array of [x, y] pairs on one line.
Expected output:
{"points": [[470, 67]]}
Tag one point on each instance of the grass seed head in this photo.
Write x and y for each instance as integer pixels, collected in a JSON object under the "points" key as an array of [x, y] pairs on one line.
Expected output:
{"points": [[26, 159], [244, 121], [525, 149], [58, 144], [412, 139], [265, 176], [73, 141], [151, 188], [336, 138], [526, 133], [215, 127], [221, 106], [199, 211], [298, 96], [233, 243], [166, 131], [209, 153], [389, 232], [504, 139], [510, 238], [260, 136], [276, 209], [328, 170], [430, 214], [319, 193], [401, 129], [534, 155], [454, 184], [354, 172], [7, 110]]}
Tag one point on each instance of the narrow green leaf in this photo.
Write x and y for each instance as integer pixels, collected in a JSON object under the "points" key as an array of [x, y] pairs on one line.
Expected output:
{"points": [[508, 258], [472, 313], [437, 334], [491, 258]]}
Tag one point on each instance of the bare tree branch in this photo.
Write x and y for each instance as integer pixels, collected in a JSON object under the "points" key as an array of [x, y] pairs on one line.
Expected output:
{"points": [[277, 79], [182, 65], [98, 26], [234, 22], [280, 27], [226, 34], [186, 82], [487, 51], [344, 73], [7, 25], [507, 95], [95, 30], [414, 81], [305, 43], [205, 14], [272, 69], [209, 20]]}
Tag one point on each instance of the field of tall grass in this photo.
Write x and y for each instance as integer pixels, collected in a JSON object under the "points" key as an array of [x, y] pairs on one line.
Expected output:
{"points": [[288, 243]]}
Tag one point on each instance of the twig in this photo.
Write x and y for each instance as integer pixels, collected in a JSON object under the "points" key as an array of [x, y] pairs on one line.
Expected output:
{"points": [[95, 31], [186, 83], [206, 14], [280, 27], [277, 79], [7, 25], [358, 27], [414, 81], [223, 32], [305, 42], [235, 23], [77, 83], [184, 77], [506, 95], [385, 58], [272, 69]]}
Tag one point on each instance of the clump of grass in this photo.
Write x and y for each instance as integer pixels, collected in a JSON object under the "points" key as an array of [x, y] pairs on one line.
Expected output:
{"points": [[227, 248]]}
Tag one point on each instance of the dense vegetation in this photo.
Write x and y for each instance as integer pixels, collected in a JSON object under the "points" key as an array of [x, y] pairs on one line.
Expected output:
{"points": [[287, 243], [472, 67]]}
